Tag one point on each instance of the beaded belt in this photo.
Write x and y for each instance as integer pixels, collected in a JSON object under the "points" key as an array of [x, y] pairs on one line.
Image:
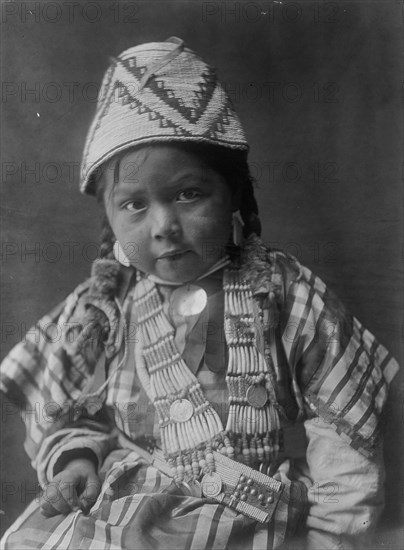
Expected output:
{"points": [[233, 484], [238, 486]]}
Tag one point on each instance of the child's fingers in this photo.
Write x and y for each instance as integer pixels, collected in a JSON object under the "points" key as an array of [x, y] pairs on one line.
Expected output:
{"points": [[90, 493], [59, 497], [49, 498], [55, 506], [69, 500], [48, 510]]}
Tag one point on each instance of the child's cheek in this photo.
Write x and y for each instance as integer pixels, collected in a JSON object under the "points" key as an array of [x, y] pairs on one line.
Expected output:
{"points": [[213, 214], [201, 223], [131, 227], [208, 234], [215, 218]]}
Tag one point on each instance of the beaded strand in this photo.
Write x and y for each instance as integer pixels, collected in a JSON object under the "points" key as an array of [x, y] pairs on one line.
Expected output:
{"points": [[188, 443]]}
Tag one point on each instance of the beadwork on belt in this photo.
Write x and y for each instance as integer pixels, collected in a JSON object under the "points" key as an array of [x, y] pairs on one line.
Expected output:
{"points": [[191, 430]]}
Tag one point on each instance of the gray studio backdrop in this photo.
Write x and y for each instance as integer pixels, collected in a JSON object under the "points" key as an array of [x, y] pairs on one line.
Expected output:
{"points": [[318, 88]]}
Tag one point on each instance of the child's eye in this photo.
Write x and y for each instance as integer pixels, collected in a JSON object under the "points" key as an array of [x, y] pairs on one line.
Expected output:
{"points": [[135, 206], [188, 195]]}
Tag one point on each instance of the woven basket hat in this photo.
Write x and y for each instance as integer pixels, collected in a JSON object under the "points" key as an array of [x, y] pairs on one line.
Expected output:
{"points": [[158, 92]]}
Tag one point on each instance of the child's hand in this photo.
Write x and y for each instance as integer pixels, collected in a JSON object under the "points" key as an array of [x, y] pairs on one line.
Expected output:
{"points": [[76, 487]]}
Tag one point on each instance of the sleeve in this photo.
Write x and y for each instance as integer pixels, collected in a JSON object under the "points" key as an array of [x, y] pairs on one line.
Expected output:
{"points": [[340, 374], [345, 490], [39, 376], [339, 371]]}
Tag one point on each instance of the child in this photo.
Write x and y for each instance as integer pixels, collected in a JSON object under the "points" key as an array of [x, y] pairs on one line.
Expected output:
{"points": [[207, 392]]}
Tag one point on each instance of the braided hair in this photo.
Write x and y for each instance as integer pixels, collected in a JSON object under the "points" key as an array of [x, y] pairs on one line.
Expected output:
{"points": [[101, 311]]}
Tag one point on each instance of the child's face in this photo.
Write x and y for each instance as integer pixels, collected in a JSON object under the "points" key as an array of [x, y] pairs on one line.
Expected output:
{"points": [[169, 211]]}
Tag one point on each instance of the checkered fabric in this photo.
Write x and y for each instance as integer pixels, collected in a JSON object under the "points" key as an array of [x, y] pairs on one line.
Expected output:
{"points": [[158, 92], [337, 372]]}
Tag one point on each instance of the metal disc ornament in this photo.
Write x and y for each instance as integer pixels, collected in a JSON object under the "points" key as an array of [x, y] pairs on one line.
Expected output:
{"points": [[181, 410], [257, 396], [211, 485], [189, 300]]}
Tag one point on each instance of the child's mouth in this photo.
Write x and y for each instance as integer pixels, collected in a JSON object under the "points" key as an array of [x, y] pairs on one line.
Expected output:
{"points": [[174, 255]]}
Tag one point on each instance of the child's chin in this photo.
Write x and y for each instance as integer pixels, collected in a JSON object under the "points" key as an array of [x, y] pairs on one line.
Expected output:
{"points": [[179, 277], [179, 274]]}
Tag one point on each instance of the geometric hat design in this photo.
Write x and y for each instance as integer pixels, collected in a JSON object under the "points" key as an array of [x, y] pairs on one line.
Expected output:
{"points": [[158, 92]]}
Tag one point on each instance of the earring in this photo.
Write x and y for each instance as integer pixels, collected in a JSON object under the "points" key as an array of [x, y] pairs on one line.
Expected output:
{"points": [[238, 225], [120, 255]]}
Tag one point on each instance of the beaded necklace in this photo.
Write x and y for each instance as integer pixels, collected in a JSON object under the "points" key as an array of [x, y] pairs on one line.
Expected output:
{"points": [[190, 428]]}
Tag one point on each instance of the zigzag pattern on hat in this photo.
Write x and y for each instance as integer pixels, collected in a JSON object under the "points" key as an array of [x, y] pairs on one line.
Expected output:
{"points": [[181, 100]]}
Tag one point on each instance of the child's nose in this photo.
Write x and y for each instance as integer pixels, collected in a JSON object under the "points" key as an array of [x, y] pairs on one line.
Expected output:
{"points": [[164, 222]]}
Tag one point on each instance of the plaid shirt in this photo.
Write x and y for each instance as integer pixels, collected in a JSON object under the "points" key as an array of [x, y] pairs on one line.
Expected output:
{"points": [[328, 368]]}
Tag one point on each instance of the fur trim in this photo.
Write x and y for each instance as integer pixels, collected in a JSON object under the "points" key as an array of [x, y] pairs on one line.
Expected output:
{"points": [[97, 328], [260, 272], [105, 277]]}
